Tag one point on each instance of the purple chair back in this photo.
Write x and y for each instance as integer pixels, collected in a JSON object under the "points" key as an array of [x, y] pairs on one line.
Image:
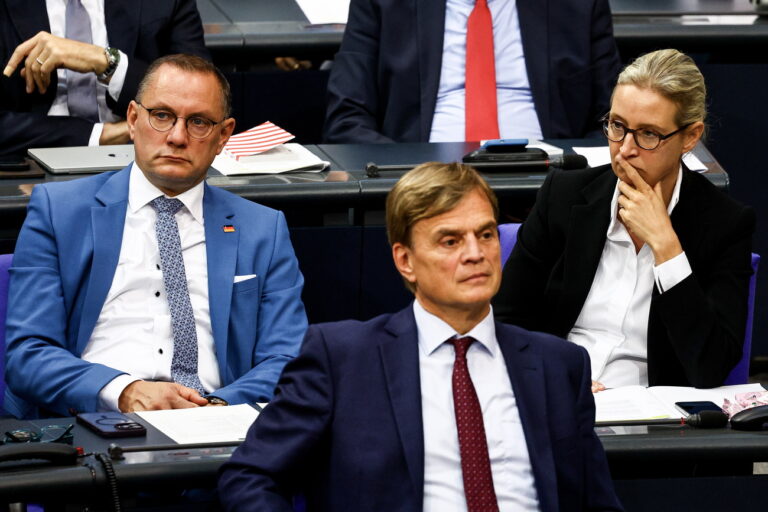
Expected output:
{"points": [[5, 263], [740, 372], [507, 238]]}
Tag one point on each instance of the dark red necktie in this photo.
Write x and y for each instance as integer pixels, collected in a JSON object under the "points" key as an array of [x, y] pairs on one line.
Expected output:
{"points": [[480, 111], [473, 447]]}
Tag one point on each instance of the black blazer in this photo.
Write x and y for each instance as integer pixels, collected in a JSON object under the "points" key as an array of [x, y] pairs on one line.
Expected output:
{"points": [[695, 329], [384, 81], [345, 426], [142, 29]]}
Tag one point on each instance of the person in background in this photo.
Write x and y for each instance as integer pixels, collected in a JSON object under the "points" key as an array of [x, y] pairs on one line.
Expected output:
{"points": [[72, 66], [146, 288], [436, 407], [456, 70], [642, 262]]}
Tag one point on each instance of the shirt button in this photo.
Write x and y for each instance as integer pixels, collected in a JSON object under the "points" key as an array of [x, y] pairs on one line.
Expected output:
{"points": [[157, 294], [159, 351], [158, 266]]}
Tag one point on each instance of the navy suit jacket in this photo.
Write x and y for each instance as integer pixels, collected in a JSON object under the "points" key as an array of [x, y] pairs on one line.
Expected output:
{"points": [[384, 81], [142, 29], [695, 329], [63, 266], [345, 427]]}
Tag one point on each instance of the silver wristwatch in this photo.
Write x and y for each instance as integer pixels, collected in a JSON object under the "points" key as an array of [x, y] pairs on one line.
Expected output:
{"points": [[113, 59]]}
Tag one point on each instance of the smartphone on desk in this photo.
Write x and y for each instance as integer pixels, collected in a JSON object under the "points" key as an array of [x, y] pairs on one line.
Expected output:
{"points": [[111, 424], [697, 407]]}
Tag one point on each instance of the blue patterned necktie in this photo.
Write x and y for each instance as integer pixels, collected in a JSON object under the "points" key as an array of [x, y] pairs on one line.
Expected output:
{"points": [[184, 362], [81, 87]]}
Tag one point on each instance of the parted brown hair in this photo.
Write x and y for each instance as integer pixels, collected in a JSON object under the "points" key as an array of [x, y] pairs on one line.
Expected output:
{"points": [[427, 190], [191, 64]]}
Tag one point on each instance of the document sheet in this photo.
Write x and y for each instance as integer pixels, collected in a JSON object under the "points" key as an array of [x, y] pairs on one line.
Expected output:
{"points": [[203, 424]]}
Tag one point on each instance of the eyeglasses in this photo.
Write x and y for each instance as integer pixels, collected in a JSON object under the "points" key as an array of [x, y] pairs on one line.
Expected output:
{"points": [[645, 138], [49, 434], [163, 120]]}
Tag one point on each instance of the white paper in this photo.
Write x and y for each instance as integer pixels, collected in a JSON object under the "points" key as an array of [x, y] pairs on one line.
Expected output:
{"points": [[203, 424], [658, 402], [283, 158], [325, 11], [601, 155]]}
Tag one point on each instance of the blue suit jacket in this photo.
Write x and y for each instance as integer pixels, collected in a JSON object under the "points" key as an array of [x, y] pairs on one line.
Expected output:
{"points": [[346, 429], [142, 29], [384, 81], [63, 267]]}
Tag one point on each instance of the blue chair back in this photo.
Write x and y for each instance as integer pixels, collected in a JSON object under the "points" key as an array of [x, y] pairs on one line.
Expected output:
{"points": [[5, 264], [740, 372]]}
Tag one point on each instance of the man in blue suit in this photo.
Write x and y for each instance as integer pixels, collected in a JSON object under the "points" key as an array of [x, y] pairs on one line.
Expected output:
{"points": [[115, 303], [436, 407], [37, 58], [400, 73]]}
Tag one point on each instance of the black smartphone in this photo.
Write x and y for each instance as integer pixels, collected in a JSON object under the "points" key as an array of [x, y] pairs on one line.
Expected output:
{"points": [[111, 424], [13, 163], [697, 407]]}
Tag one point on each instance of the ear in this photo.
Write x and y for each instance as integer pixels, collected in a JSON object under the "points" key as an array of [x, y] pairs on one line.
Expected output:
{"points": [[402, 258], [692, 136], [132, 117], [227, 127]]}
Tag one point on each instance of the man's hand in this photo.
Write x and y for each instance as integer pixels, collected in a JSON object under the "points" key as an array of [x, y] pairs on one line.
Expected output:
{"points": [[115, 133], [44, 53], [597, 386], [644, 213], [151, 396]]}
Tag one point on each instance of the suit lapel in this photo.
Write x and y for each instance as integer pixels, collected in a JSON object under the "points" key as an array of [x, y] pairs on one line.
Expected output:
{"points": [[29, 17], [588, 224], [400, 359], [685, 219], [221, 251], [107, 223], [533, 16], [526, 373], [123, 19], [430, 20]]}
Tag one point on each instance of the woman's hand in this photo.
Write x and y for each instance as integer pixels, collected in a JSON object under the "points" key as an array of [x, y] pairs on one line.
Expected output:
{"points": [[644, 213]]}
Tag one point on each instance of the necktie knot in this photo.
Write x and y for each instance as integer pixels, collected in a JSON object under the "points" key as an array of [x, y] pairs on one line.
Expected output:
{"points": [[461, 345], [167, 205]]}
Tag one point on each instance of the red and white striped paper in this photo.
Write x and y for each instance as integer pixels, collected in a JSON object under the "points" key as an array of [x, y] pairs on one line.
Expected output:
{"points": [[256, 140]]}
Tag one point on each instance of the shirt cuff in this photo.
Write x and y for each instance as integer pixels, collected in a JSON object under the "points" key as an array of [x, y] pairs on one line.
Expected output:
{"points": [[671, 272], [115, 86], [110, 394], [96, 134]]}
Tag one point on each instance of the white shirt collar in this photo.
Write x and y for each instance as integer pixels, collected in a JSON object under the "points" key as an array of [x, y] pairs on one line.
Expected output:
{"points": [[141, 192], [615, 227], [433, 331]]}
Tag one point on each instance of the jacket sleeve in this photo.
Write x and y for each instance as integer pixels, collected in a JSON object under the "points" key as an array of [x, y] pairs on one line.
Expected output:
{"points": [[704, 316], [40, 365], [354, 107], [266, 470]]}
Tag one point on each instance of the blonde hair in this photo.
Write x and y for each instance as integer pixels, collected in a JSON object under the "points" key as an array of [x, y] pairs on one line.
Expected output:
{"points": [[673, 75]]}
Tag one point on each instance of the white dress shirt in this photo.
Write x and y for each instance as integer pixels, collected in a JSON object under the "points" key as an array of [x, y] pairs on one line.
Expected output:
{"points": [[510, 463], [613, 324], [56, 16], [516, 111], [133, 333]]}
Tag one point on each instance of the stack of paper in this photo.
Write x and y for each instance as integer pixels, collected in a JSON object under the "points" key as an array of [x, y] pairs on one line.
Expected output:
{"points": [[203, 424], [283, 158]]}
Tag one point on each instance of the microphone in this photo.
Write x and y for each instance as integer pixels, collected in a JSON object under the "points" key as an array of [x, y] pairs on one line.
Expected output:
{"points": [[703, 419], [565, 162]]}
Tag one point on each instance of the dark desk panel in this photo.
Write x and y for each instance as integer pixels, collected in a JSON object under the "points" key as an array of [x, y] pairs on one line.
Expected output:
{"points": [[679, 7]]}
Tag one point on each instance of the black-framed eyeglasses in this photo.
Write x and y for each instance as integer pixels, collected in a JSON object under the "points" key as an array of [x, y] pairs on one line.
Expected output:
{"points": [[645, 138], [162, 120], [48, 434]]}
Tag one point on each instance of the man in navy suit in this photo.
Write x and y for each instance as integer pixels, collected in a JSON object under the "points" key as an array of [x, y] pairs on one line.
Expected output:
{"points": [[111, 307], [400, 73], [37, 57], [436, 407]]}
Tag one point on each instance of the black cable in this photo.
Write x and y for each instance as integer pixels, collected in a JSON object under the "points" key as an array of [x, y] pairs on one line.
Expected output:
{"points": [[111, 480]]}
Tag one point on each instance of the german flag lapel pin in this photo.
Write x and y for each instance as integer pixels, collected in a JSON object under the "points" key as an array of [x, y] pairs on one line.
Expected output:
{"points": [[229, 228]]}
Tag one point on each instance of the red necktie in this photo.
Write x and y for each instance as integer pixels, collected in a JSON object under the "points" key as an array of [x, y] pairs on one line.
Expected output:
{"points": [[480, 112], [475, 464]]}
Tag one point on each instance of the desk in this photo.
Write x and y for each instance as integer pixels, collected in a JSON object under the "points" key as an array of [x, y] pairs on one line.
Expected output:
{"points": [[653, 447]]}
